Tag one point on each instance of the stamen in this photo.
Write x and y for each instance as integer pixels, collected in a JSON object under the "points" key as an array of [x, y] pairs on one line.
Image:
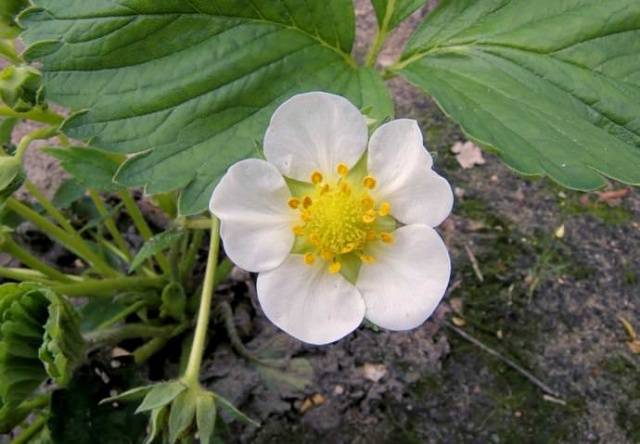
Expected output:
{"points": [[367, 259], [369, 182], [306, 202], [325, 188], [294, 202], [367, 202], [335, 267], [371, 235], [387, 238], [309, 258], [298, 230], [316, 177], [343, 169], [348, 248], [345, 188], [326, 255], [385, 209], [369, 216]]}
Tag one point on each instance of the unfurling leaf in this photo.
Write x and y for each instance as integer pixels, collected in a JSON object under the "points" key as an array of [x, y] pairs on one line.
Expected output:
{"points": [[174, 302], [21, 88]]}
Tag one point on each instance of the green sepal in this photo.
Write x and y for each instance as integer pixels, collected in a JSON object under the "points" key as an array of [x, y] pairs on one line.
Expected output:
{"points": [[206, 415], [182, 414], [161, 395]]}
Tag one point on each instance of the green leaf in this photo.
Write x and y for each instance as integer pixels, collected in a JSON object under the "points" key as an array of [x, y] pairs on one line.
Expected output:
{"points": [[98, 310], [234, 412], [206, 415], [195, 104], [91, 167], [552, 86], [395, 10], [10, 168], [153, 246], [39, 338], [161, 395], [8, 11], [77, 418], [183, 411], [67, 193]]}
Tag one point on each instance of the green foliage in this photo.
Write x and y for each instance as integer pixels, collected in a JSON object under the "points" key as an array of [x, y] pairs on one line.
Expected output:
{"points": [[395, 10], [153, 246], [89, 166], [551, 85], [77, 417], [39, 338], [199, 101], [174, 302], [67, 193], [6, 129], [8, 11], [21, 87]]}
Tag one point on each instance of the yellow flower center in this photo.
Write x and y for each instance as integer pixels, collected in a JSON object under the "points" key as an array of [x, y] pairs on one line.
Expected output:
{"points": [[340, 219]]}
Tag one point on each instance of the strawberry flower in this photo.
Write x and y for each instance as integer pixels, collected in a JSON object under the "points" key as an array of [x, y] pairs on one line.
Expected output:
{"points": [[339, 230]]}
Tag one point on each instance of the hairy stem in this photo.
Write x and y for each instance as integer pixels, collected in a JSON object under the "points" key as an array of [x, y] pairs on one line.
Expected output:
{"points": [[69, 241], [101, 287], [143, 228], [10, 246], [49, 207], [110, 224], [192, 372]]}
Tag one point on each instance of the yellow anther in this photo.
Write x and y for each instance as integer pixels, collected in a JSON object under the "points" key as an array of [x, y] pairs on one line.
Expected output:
{"points": [[385, 209], [367, 202], [326, 255], [309, 258], [324, 188], [298, 230], [371, 235], [343, 169], [335, 267], [345, 188], [369, 216], [305, 215], [369, 182], [294, 202], [306, 202], [367, 259], [387, 238], [348, 248], [316, 177]]}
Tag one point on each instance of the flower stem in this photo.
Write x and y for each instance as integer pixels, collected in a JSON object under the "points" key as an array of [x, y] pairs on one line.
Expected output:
{"points": [[142, 226], [101, 287], [49, 207], [69, 241], [110, 224], [37, 114], [127, 331], [17, 251], [192, 373], [122, 315], [381, 34]]}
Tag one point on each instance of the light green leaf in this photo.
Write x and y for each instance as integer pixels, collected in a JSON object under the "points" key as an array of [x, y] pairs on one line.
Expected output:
{"points": [[182, 414], [233, 411], [206, 415], [395, 10], [199, 101], [91, 167], [153, 246], [161, 395], [553, 86]]}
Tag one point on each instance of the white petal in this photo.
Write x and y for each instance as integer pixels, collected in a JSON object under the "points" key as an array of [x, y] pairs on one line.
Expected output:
{"points": [[402, 167], [315, 132], [251, 202], [308, 302], [403, 287]]}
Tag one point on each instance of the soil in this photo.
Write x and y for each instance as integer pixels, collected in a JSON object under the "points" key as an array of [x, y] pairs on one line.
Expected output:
{"points": [[541, 275]]}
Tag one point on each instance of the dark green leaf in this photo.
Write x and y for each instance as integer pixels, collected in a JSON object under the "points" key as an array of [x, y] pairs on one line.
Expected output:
{"points": [[161, 395], [91, 167], [69, 192], [553, 86], [182, 413], [206, 415], [153, 246], [199, 101], [233, 411], [394, 11], [77, 418]]}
